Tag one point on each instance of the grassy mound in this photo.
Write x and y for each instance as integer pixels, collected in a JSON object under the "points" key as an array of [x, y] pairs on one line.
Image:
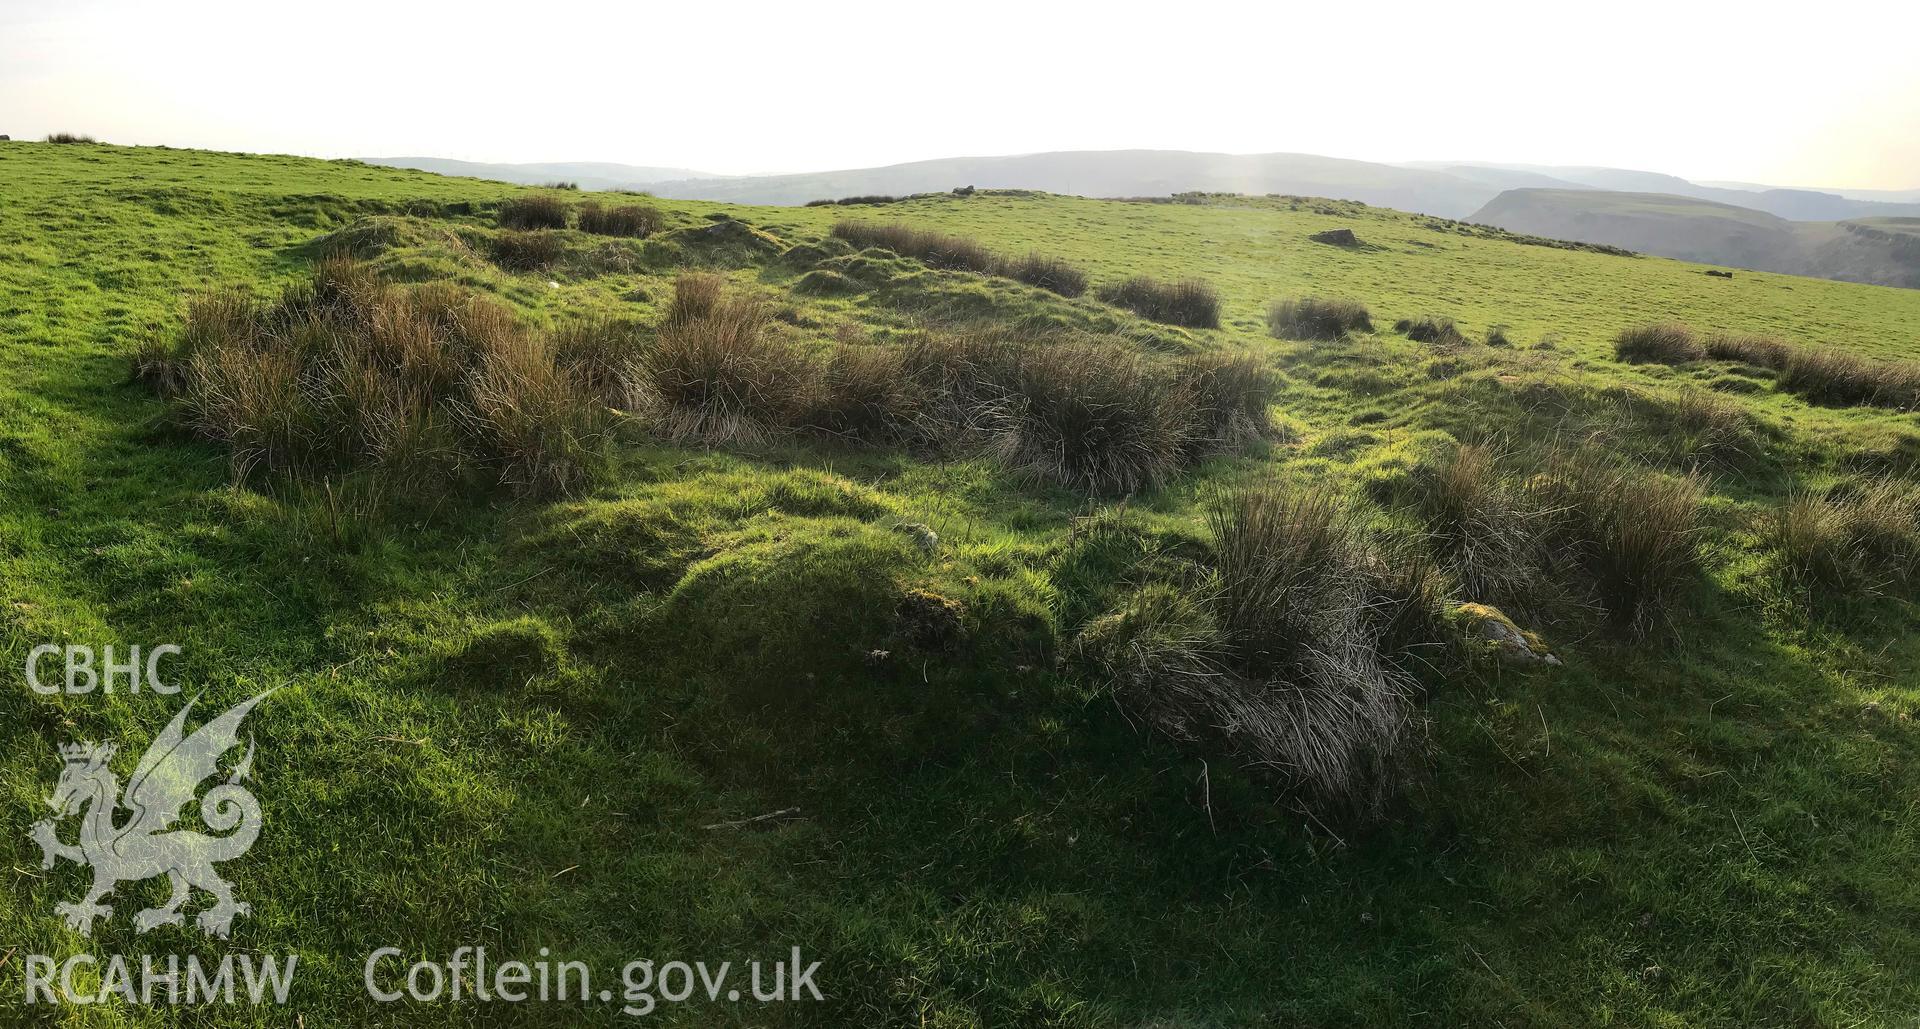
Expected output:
{"points": [[942, 250]]}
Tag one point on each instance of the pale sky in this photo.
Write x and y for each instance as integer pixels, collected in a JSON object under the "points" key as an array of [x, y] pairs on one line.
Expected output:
{"points": [[1821, 94]]}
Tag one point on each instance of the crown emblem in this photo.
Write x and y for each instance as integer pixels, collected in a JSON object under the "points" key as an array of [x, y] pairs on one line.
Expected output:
{"points": [[85, 753]]}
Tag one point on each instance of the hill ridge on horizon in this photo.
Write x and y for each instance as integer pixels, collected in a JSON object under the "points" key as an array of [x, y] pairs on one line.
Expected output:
{"points": [[1441, 185], [1811, 237], [1878, 251]]}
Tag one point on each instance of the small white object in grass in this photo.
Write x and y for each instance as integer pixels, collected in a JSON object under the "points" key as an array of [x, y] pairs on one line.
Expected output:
{"points": [[552, 284]]}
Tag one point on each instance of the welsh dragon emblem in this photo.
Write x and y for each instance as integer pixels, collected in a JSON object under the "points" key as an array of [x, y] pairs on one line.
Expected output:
{"points": [[145, 844]]}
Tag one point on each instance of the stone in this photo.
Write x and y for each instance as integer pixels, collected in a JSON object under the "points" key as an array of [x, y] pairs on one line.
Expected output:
{"points": [[1493, 628], [922, 536]]}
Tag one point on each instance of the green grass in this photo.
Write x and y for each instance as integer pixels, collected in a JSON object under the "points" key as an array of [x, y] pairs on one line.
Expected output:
{"points": [[506, 722]]}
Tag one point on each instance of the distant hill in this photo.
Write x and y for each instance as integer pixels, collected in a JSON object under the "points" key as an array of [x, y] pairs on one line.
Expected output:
{"points": [[1792, 204], [1448, 189], [1116, 173], [1883, 196], [1506, 178], [1883, 251], [587, 174]]}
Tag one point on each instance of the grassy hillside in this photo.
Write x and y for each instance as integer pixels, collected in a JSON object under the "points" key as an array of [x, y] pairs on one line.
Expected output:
{"points": [[522, 718], [1703, 230]]}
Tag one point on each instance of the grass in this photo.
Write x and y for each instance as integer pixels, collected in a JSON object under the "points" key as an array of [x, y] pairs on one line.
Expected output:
{"points": [[943, 250], [1759, 351], [534, 211], [1093, 417], [1049, 273], [1862, 542], [1279, 662], [1823, 375], [1434, 331], [1484, 526], [1317, 318], [506, 722], [1544, 531], [634, 220], [1831, 376], [1664, 342], [1096, 418], [719, 375], [530, 251], [1639, 536], [1189, 302], [1233, 398], [346, 372], [605, 356]]}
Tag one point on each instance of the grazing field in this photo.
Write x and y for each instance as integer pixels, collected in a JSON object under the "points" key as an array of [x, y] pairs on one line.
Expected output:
{"points": [[1548, 659]]}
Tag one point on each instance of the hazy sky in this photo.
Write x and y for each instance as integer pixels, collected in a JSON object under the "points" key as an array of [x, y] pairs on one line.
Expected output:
{"points": [[1808, 94]]}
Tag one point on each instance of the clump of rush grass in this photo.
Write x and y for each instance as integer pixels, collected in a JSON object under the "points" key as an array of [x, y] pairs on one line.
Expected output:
{"points": [[1658, 342], [1759, 351], [718, 375], [346, 373], [1884, 519], [534, 211], [935, 249], [531, 251], [1484, 525], [865, 394], [1542, 533], [529, 419], [854, 201], [1098, 416], [1095, 417], [604, 356], [1860, 541], [1827, 375], [1288, 658], [1192, 303], [1232, 397], [1053, 274], [943, 250], [1691, 424], [1814, 546], [1435, 331], [70, 138], [1319, 318], [1636, 533], [695, 296], [634, 220]]}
